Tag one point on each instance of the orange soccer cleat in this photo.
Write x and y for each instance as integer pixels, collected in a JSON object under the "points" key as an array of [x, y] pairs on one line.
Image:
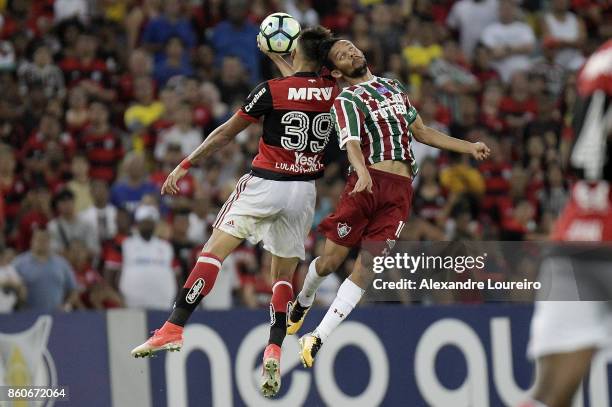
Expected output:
{"points": [[271, 378], [168, 337]]}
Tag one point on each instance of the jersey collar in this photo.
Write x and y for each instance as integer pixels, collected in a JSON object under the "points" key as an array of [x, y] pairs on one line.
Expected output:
{"points": [[306, 74]]}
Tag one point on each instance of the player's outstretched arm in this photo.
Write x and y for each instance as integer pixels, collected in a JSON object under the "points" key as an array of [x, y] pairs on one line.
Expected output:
{"points": [[220, 137], [355, 156], [434, 138]]}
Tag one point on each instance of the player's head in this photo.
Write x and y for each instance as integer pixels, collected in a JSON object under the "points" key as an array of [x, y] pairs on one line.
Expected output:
{"points": [[344, 59], [309, 43]]}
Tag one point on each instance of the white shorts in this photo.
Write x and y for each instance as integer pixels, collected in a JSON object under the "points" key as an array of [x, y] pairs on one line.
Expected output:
{"points": [[279, 213], [568, 326]]}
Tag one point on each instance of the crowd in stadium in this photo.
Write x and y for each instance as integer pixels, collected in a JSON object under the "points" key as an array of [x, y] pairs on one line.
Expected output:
{"points": [[101, 99]]}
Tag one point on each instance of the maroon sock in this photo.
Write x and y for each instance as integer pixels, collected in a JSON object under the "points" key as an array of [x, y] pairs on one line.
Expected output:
{"points": [[282, 293], [199, 283]]}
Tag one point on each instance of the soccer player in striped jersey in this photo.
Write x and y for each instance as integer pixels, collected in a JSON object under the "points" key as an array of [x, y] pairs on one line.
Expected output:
{"points": [[376, 124]]}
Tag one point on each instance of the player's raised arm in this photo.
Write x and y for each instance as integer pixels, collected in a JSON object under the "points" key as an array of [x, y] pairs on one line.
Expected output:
{"points": [[285, 68], [434, 138], [220, 137]]}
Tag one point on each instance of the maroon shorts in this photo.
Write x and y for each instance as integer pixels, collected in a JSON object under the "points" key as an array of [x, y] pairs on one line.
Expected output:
{"points": [[370, 217]]}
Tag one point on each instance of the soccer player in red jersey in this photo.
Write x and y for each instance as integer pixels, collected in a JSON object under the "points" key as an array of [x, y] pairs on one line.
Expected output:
{"points": [[274, 203], [375, 123], [566, 335]]}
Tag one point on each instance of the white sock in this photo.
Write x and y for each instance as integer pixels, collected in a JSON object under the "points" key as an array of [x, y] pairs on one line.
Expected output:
{"points": [[347, 298], [311, 284]]}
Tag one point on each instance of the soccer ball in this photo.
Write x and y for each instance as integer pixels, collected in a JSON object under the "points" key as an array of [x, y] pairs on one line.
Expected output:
{"points": [[278, 33]]}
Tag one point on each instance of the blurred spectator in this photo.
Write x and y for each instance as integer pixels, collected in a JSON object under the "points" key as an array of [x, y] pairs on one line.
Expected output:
{"points": [[211, 97], [128, 191], [101, 215], [41, 73], [340, 20], [565, 33], [383, 31], [12, 187], [188, 185], [67, 227], [236, 36], [49, 279], [422, 50], [182, 133], [302, 11], [94, 292], [144, 112], [80, 185], [171, 23], [49, 132], [429, 199], [64, 9], [548, 121], [200, 220], [34, 214], [451, 76], [182, 246], [465, 117], [554, 194], [101, 144], [511, 41], [490, 116], [461, 225], [554, 74], [87, 69], [140, 65], [519, 223], [470, 18], [482, 68], [8, 60], [77, 114], [202, 114], [518, 108], [232, 83], [174, 62], [148, 279], [427, 111], [12, 290], [461, 178], [497, 172]]}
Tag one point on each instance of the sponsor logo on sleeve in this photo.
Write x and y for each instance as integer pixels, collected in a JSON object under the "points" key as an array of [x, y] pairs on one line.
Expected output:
{"points": [[258, 95]]}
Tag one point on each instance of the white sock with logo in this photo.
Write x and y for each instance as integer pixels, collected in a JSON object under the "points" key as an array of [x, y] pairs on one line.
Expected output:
{"points": [[347, 298], [311, 283]]}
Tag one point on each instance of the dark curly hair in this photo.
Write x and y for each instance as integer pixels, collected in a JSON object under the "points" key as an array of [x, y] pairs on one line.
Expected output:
{"points": [[310, 42]]}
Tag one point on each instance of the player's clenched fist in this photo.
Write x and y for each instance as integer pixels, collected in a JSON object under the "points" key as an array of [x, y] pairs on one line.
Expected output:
{"points": [[480, 151], [171, 184]]}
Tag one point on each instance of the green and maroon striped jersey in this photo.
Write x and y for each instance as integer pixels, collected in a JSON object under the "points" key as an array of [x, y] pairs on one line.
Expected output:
{"points": [[378, 114]]}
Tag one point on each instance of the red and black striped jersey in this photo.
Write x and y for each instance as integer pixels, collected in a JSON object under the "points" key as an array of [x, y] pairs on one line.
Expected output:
{"points": [[104, 151], [296, 125]]}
